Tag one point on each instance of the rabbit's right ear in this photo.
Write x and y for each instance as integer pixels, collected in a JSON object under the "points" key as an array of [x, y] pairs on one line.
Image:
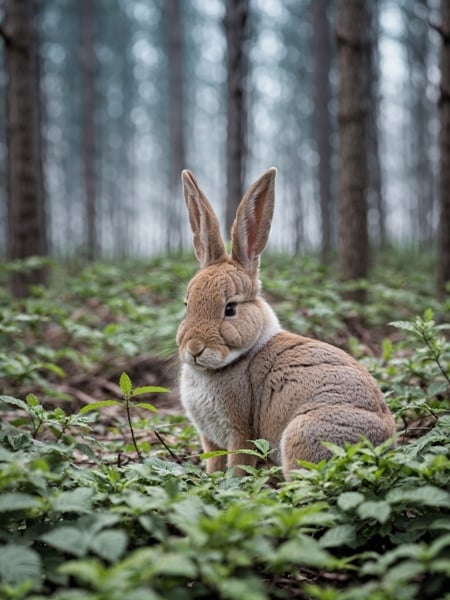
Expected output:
{"points": [[208, 243]]}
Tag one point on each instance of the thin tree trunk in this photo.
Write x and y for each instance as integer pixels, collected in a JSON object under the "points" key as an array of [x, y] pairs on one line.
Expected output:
{"points": [[353, 235], [176, 119], [322, 117], [443, 277], [236, 23], [88, 107], [26, 233]]}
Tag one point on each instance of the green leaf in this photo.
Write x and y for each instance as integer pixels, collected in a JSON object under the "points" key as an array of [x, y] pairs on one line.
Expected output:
{"points": [[147, 406], [78, 500], [342, 535], [110, 544], [19, 564], [90, 571], [15, 402], [428, 495], [305, 550], [175, 564], [68, 539], [12, 501], [125, 384], [349, 500], [380, 511], [98, 405], [32, 400], [404, 325], [148, 389]]}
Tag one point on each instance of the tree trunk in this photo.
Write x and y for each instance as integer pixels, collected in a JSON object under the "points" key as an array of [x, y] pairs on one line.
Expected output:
{"points": [[236, 23], [353, 235], [375, 180], [88, 107], [176, 119], [322, 117], [26, 234], [444, 187]]}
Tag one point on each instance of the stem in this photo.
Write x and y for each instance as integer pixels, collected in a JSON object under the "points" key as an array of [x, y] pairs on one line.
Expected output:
{"points": [[127, 406], [172, 454], [436, 355]]}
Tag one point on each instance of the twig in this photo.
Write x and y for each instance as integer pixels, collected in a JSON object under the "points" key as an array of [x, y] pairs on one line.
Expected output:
{"points": [[127, 406], [172, 454]]}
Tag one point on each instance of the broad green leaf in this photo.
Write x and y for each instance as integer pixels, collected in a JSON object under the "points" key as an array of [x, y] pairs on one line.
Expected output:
{"points": [[176, 565], [12, 501], [19, 564], [341, 535], [32, 400], [148, 389], [110, 544], [78, 500], [68, 539], [380, 511], [90, 571], [349, 500], [404, 325], [125, 384], [427, 495], [304, 550], [56, 369], [98, 405], [147, 406]]}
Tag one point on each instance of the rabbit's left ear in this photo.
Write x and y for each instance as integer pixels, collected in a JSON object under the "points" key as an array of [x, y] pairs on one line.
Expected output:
{"points": [[208, 243], [251, 226]]}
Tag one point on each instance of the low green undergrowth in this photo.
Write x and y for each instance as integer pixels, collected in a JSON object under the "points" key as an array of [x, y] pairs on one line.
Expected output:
{"points": [[108, 499]]}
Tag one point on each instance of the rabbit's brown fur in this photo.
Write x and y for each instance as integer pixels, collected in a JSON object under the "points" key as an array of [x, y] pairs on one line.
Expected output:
{"points": [[244, 378]]}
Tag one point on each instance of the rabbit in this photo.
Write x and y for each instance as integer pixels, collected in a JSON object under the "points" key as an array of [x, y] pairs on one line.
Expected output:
{"points": [[242, 377]]}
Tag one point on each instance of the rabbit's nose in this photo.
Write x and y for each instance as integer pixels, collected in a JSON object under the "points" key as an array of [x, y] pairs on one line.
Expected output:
{"points": [[195, 348]]}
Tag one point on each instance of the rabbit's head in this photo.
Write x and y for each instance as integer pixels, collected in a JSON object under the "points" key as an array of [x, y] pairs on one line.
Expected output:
{"points": [[225, 316]]}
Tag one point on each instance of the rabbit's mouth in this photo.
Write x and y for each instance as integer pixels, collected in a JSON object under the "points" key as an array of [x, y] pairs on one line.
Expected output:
{"points": [[212, 359]]}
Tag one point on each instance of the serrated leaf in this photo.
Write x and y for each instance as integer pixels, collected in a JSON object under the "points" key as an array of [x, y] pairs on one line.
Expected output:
{"points": [[110, 544], [98, 405], [32, 400], [19, 564], [147, 406], [12, 501], [148, 389], [304, 550], [78, 500], [68, 539], [349, 500], [125, 384], [404, 325], [380, 511], [15, 402]]}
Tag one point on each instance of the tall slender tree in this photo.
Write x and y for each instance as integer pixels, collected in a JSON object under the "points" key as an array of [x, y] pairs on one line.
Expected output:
{"points": [[444, 187], [353, 235], [322, 117], [88, 121], [177, 158], [236, 28], [26, 227]]}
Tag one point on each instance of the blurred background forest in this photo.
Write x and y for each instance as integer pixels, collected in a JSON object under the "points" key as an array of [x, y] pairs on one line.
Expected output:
{"points": [[115, 97]]}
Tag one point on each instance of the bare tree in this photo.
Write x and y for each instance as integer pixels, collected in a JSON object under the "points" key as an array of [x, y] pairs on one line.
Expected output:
{"points": [[353, 236], [236, 25], [444, 105], [177, 154], [26, 227], [322, 117], [88, 122]]}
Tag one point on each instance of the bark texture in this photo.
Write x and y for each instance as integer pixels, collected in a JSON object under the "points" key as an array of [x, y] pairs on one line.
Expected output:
{"points": [[322, 117], [353, 234], [236, 24], [444, 187], [88, 108], [176, 121], [26, 233]]}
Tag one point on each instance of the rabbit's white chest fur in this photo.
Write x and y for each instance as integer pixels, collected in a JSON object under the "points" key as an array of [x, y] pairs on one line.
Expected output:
{"points": [[205, 405]]}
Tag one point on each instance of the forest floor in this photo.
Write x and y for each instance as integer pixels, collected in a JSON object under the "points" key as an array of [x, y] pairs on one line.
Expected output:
{"points": [[370, 523]]}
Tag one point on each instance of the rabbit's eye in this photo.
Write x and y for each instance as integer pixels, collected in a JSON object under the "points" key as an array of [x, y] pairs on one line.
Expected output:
{"points": [[230, 309]]}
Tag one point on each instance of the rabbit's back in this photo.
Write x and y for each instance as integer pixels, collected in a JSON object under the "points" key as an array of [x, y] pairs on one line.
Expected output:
{"points": [[294, 375]]}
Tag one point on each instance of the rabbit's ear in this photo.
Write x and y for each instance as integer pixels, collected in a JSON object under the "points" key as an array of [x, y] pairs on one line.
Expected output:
{"points": [[208, 244], [252, 223]]}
